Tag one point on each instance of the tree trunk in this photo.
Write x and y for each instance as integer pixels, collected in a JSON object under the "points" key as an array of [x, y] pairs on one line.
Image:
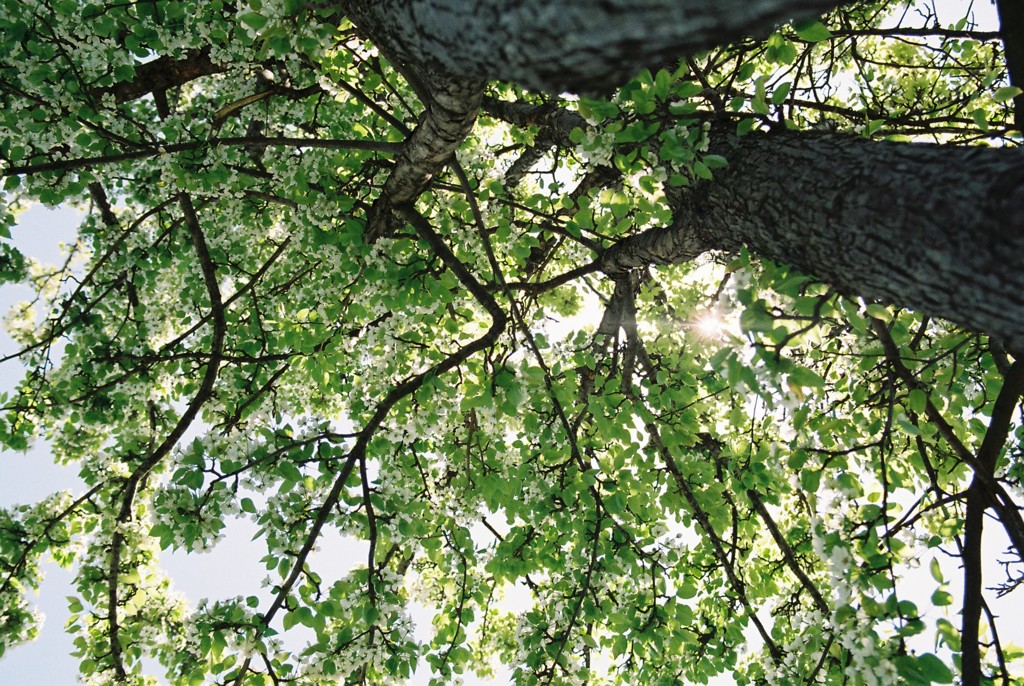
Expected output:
{"points": [[1011, 26], [933, 228], [585, 46]]}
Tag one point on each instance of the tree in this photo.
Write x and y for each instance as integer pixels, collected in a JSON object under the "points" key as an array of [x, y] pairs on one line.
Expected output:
{"points": [[315, 284]]}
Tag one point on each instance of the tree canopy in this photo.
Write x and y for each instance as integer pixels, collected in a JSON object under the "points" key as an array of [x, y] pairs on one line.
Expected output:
{"points": [[638, 342]]}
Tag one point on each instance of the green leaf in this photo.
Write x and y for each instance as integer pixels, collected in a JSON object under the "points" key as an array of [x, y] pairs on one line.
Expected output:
{"points": [[781, 93], [702, 171], [810, 480], [288, 471], [878, 312], [980, 118], [715, 161], [806, 377], [1006, 93], [813, 31], [253, 20], [598, 109], [688, 89], [936, 570], [757, 318], [786, 53], [918, 402], [935, 669]]}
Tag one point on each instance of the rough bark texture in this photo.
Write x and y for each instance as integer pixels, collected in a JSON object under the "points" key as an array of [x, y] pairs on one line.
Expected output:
{"points": [[559, 120], [585, 46], [556, 123], [934, 228], [449, 117], [1011, 27], [163, 73]]}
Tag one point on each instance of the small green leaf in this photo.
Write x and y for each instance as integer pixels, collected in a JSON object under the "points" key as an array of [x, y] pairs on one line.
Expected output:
{"points": [[878, 312], [918, 401], [786, 53], [935, 669], [810, 480], [757, 318], [288, 471], [910, 671], [688, 89], [812, 32], [806, 377], [702, 171], [253, 20], [781, 93], [371, 614], [1006, 93], [980, 118], [715, 161], [936, 570]]}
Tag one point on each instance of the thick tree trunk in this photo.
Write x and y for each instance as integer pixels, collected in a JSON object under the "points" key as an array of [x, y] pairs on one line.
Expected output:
{"points": [[937, 229], [1011, 26], [586, 46]]}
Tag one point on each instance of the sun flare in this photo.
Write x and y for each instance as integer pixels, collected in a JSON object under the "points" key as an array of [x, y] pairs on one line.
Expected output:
{"points": [[710, 326]]}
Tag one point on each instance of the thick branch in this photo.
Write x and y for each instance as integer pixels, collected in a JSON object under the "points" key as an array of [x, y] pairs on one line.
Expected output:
{"points": [[163, 73], [937, 229], [449, 117], [558, 120], [588, 46]]}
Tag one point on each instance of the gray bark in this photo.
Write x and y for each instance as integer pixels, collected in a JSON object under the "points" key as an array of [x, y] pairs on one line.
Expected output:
{"points": [[1011, 27], [937, 229], [584, 46], [452, 106]]}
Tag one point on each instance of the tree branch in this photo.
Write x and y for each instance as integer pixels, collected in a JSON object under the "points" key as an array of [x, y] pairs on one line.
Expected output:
{"points": [[237, 141], [587, 46], [978, 500], [451, 111], [402, 390], [998, 498], [162, 73], [926, 227], [205, 391]]}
